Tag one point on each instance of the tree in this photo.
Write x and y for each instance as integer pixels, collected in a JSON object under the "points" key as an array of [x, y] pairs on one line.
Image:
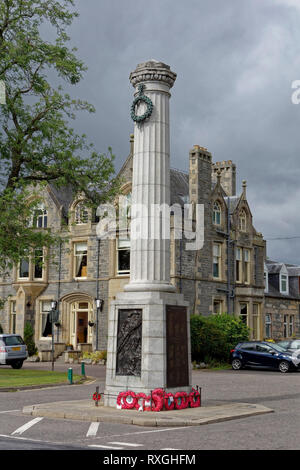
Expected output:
{"points": [[28, 339], [37, 144], [208, 341], [234, 328]]}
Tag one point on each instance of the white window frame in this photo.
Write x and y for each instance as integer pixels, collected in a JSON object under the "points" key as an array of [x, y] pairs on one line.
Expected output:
{"points": [[268, 325], [284, 275], [44, 313], [40, 215], [220, 303], [33, 267], [81, 214], [246, 267], [76, 254], [217, 213], [217, 260], [26, 278], [242, 221], [238, 265], [12, 316], [122, 245], [256, 320], [247, 314], [266, 279]]}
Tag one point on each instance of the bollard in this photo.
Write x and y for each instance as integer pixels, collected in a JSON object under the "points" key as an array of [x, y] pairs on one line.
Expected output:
{"points": [[83, 369], [70, 375]]}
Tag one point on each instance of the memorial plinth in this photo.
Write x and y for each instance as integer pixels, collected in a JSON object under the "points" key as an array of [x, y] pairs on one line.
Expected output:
{"points": [[148, 328]]}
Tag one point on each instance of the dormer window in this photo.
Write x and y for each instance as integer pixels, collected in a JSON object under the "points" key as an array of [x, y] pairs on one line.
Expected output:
{"points": [[284, 284], [242, 221], [40, 218], [217, 213], [81, 214], [266, 280]]}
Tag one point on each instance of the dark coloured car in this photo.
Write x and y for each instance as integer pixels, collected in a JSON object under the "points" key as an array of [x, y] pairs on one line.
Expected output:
{"points": [[261, 354], [290, 345]]}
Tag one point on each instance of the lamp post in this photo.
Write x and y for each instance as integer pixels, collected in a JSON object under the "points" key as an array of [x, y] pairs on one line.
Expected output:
{"points": [[53, 320], [99, 305]]}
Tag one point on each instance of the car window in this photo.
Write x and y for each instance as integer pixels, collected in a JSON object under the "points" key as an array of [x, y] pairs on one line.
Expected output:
{"points": [[248, 346], [263, 348], [295, 344], [13, 340], [278, 348], [283, 344]]}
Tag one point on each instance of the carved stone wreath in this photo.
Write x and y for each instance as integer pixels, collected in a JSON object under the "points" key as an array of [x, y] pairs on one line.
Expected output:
{"points": [[148, 103]]}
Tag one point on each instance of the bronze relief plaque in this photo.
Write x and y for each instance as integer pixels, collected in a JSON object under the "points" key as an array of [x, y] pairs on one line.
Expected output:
{"points": [[129, 342], [177, 347]]}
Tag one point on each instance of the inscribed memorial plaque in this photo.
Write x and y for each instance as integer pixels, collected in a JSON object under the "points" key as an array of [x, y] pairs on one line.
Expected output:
{"points": [[177, 347]]}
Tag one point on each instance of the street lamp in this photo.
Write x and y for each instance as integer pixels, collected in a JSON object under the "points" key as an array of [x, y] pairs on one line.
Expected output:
{"points": [[99, 306]]}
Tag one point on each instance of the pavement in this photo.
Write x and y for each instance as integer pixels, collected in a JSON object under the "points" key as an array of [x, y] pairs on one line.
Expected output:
{"points": [[85, 410]]}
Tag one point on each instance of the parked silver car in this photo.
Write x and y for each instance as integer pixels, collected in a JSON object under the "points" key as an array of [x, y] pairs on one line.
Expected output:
{"points": [[13, 350]]}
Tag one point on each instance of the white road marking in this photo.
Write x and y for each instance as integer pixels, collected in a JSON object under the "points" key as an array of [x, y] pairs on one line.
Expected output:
{"points": [[26, 426], [169, 448], [9, 411], [93, 429], [107, 447], [127, 444]]}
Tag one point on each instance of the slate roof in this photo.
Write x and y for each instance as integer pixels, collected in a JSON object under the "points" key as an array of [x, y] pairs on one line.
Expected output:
{"points": [[274, 267], [64, 196], [179, 187], [233, 202]]}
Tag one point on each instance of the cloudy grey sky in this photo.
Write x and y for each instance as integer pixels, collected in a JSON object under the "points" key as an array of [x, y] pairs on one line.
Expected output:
{"points": [[235, 62]]}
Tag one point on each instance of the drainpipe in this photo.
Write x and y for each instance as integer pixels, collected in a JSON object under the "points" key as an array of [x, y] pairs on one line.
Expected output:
{"points": [[58, 287], [228, 256], [97, 295], [180, 266]]}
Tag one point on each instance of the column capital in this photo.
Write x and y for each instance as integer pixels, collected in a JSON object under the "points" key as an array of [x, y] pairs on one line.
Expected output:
{"points": [[153, 70]]}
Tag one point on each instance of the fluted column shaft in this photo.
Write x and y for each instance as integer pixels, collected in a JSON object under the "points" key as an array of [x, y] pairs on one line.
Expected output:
{"points": [[150, 226]]}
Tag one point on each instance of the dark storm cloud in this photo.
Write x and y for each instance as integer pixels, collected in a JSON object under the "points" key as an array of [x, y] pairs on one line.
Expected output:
{"points": [[235, 61]]}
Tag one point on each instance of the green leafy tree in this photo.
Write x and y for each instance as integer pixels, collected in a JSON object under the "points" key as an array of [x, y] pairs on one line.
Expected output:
{"points": [[234, 328], [37, 144], [208, 341], [213, 337], [29, 339]]}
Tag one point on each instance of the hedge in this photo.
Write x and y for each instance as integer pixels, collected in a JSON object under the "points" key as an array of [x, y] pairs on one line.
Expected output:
{"points": [[214, 336]]}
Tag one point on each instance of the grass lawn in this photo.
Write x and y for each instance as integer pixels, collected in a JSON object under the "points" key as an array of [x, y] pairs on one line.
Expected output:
{"points": [[23, 378]]}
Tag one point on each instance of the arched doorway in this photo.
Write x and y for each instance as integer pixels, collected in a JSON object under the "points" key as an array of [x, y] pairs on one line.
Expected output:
{"points": [[78, 316], [80, 330]]}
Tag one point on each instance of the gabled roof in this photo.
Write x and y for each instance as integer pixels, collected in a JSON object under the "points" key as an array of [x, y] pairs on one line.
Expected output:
{"points": [[233, 202], [63, 195]]}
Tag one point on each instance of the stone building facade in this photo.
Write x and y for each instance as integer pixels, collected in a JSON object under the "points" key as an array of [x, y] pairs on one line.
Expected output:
{"points": [[227, 274], [282, 300]]}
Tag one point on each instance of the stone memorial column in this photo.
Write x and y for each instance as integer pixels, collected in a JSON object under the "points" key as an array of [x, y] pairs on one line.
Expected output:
{"points": [[148, 325], [150, 238]]}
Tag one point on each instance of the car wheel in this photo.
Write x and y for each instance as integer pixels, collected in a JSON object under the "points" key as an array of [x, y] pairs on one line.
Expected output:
{"points": [[236, 364], [284, 366], [17, 364]]}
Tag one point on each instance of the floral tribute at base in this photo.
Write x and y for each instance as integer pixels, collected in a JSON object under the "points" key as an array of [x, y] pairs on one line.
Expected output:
{"points": [[159, 400]]}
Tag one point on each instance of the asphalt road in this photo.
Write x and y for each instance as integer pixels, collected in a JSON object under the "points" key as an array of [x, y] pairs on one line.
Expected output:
{"points": [[278, 430]]}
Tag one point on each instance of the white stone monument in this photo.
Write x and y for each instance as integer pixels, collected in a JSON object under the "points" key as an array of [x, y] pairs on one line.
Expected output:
{"points": [[148, 328]]}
